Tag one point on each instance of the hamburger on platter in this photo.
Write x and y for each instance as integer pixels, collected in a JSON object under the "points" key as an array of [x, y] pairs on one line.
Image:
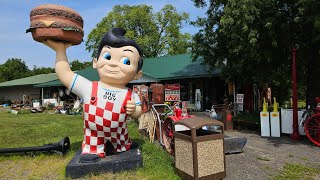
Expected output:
{"points": [[50, 21]]}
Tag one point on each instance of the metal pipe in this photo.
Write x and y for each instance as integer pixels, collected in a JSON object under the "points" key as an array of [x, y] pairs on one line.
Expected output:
{"points": [[63, 146]]}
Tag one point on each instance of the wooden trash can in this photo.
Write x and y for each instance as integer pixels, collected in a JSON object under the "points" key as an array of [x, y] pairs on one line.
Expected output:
{"points": [[199, 153]]}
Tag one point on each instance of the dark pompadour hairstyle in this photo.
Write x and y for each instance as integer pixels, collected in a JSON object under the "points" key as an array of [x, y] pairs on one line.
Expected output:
{"points": [[115, 38]]}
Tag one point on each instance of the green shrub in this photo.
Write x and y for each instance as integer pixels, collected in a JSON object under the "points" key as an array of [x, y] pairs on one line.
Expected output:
{"points": [[250, 117]]}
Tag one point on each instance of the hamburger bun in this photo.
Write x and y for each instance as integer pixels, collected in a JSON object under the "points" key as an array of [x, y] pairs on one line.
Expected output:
{"points": [[56, 22]]}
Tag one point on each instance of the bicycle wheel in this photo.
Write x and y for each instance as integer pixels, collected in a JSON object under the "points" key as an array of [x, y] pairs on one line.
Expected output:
{"points": [[167, 136], [306, 115], [312, 129]]}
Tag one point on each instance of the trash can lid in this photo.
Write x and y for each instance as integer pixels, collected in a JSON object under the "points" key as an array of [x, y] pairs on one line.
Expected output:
{"points": [[198, 122]]}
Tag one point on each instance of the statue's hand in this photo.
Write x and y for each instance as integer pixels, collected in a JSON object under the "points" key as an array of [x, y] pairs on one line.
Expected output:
{"points": [[57, 45], [130, 107]]}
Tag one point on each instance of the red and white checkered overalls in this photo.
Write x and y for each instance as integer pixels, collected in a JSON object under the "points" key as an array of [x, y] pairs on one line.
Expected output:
{"points": [[104, 120]]}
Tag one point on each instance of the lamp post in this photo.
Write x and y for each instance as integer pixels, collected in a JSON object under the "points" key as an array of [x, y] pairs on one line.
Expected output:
{"points": [[295, 134]]}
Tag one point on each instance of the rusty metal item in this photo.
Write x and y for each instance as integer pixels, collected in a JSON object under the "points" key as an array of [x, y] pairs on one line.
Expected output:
{"points": [[157, 93], [61, 147]]}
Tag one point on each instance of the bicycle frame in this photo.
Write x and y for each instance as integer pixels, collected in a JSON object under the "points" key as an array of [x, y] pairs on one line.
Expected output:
{"points": [[160, 121], [306, 114]]}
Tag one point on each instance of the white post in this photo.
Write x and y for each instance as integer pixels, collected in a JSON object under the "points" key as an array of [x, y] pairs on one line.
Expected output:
{"points": [[265, 120], [275, 124], [42, 96]]}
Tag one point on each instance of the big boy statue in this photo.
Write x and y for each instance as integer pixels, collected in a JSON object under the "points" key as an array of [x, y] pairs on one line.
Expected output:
{"points": [[107, 102]]}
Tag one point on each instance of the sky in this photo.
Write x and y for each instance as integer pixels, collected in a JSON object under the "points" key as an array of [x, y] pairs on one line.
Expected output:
{"points": [[15, 20]]}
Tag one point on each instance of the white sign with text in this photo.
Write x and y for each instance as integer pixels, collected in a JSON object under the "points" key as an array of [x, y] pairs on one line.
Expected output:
{"points": [[240, 98]]}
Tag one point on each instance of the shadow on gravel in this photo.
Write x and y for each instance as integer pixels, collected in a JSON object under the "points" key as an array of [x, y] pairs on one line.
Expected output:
{"points": [[285, 139], [278, 141]]}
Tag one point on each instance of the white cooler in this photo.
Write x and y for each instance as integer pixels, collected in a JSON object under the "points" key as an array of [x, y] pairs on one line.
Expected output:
{"points": [[286, 121]]}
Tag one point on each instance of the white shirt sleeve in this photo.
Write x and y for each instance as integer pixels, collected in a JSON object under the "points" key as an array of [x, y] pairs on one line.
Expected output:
{"points": [[136, 98], [81, 86]]}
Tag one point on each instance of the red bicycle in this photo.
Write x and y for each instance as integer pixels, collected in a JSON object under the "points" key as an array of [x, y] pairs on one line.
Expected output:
{"points": [[311, 123]]}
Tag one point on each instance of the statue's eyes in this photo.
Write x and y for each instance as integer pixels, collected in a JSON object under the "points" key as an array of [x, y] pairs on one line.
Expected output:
{"points": [[107, 55], [125, 60]]}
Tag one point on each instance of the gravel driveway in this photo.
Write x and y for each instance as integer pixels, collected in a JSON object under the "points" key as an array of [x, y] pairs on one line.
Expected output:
{"points": [[263, 157]]}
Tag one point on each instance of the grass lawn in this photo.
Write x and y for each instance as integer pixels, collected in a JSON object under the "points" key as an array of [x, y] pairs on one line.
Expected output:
{"points": [[24, 130], [297, 171]]}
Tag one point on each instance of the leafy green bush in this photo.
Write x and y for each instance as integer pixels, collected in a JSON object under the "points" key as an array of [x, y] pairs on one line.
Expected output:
{"points": [[249, 117]]}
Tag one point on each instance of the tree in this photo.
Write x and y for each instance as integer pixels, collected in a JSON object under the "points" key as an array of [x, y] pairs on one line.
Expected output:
{"points": [[13, 69], [77, 65], [41, 70], [310, 30], [251, 40], [157, 33], [74, 65]]}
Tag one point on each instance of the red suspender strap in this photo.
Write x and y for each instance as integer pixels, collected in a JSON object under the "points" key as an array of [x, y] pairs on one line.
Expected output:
{"points": [[127, 98], [94, 92]]}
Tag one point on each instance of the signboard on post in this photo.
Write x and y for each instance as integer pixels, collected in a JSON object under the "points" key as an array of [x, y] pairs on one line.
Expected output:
{"points": [[240, 102], [172, 92]]}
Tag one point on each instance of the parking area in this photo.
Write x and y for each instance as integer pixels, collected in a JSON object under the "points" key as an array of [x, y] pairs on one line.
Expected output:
{"points": [[263, 157]]}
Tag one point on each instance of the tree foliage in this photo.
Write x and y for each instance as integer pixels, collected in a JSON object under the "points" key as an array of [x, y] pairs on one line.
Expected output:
{"points": [[157, 33], [252, 40], [13, 68], [41, 70], [77, 65]]}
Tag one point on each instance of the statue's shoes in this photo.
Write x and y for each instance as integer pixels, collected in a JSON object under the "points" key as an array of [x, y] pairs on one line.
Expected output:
{"points": [[89, 158]]}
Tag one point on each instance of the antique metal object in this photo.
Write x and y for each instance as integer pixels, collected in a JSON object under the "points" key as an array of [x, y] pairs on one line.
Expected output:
{"points": [[61, 147]]}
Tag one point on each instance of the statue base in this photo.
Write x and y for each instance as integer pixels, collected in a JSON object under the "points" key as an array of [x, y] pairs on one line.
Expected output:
{"points": [[113, 163]]}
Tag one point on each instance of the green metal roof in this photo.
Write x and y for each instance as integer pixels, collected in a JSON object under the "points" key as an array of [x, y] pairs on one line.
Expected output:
{"points": [[166, 67], [176, 67], [32, 80], [160, 68], [92, 74], [89, 73], [50, 84]]}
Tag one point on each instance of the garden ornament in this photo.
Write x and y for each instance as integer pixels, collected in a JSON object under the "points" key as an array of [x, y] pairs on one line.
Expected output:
{"points": [[61, 147]]}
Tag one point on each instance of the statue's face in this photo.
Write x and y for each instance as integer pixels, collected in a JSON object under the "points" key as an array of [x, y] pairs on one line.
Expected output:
{"points": [[118, 66]]}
